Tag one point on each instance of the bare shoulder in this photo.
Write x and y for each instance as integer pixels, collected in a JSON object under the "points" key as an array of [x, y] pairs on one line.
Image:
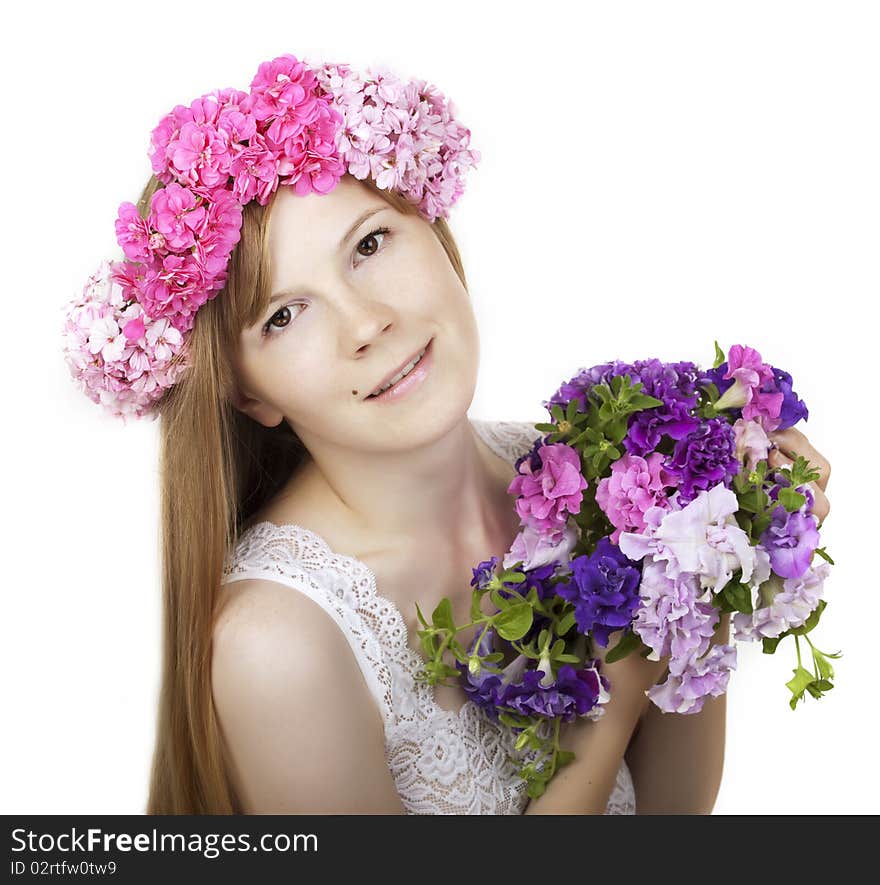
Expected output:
{"points": [[303, 731]]}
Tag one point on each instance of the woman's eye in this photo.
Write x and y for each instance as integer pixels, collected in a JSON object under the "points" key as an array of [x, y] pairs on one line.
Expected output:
{"points": [[370, 241], [283, 314]]}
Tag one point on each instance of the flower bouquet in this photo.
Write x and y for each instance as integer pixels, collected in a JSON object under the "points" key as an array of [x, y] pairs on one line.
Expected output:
{"points": [[648, 506]]}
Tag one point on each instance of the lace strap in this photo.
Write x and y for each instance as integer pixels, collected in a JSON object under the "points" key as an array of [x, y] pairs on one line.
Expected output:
{"points": [[264, 553], [510, 439]]}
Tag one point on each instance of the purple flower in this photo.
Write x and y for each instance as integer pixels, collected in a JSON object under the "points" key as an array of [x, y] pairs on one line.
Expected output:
{"points": [[605, 591], [573, 693], [672, 620], [676, 384], [694, 679], [782, 604], [793, 408], [790, 539], [705, 458], [482, 688], [484, 572], [579, 386]]}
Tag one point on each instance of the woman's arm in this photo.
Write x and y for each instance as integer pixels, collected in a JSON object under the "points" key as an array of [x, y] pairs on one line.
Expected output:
{"points": [[677, 760], [584, 785]]}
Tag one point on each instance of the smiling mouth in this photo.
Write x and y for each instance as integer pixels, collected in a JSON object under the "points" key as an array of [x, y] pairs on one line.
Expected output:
{"points": [[404, 373]]}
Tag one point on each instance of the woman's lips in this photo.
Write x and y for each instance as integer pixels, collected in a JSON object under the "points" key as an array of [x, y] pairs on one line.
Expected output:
{"points": [[409, 382]]}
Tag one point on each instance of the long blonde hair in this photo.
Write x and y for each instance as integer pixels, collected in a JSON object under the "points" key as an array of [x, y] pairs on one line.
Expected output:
{"points": [[218, 467]]}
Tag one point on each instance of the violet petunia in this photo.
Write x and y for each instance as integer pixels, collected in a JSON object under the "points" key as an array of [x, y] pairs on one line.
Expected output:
{"points": [[704, 458], [675, 617], [604, 590], [790, 539], [695, 679], [573, 693], [782, 604]]}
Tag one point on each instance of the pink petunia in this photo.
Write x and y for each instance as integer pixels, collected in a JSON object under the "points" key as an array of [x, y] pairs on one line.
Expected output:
{"points": [[636, 484], [549, 493]]}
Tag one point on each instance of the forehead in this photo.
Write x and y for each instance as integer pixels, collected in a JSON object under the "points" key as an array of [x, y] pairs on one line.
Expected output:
{"points": [[300, 226]]}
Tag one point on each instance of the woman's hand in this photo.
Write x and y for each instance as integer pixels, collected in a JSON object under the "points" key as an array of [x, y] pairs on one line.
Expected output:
{"points": [[792, 443], [632, 676]]}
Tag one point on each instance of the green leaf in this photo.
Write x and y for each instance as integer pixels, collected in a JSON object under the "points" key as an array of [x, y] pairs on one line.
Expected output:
{"points": [[512, 721], [443, 614], [521, 741], [566, 622], [719, 356], [568, 659], [536, 788], [739, 596], [563, 757], [643, 401], [811, 621], [790, 499], [421, 616], [770, 645], [500, 601], [546, 428], [429, 644], [628, 643], [512, 577], [826, 671], [798, 685], [824, 555], [514, 622]]}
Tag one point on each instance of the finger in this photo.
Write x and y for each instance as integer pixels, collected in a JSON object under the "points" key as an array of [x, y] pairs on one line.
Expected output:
{"points": [[821, 506], [792, 442]]}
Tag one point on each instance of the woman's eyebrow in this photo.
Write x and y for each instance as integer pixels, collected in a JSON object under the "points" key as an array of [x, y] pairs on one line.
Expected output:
{"points": [[367, 213]]}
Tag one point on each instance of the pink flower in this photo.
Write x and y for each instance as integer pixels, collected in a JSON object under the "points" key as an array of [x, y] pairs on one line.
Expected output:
{"points": [[551, 490], [255, 171], [200, 155], [635, 485], [176, 213], [133, 233], [752, 443], [122, 371], [749, 372], [283, 93]]}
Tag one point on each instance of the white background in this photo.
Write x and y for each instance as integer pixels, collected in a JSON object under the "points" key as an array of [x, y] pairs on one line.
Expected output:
{"points": [[654, 176]]}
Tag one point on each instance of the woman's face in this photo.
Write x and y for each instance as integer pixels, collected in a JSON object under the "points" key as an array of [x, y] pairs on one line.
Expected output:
{"points": [[363, 295]]}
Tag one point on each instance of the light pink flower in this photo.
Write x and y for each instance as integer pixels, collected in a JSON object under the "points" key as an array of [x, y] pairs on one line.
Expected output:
{"points": [[635, 485], [703, 538], [752, 443], [125, 374], [535, 548]]}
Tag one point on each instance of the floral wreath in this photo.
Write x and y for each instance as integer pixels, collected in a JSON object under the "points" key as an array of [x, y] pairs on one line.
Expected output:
{"points": [[301, 125]]}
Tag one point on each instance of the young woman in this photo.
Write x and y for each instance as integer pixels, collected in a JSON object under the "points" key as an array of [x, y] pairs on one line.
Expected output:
{"points": [[305, 514]]}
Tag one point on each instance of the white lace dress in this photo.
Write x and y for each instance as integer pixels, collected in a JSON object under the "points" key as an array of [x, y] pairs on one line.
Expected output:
{"points": [[442, 762]]}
